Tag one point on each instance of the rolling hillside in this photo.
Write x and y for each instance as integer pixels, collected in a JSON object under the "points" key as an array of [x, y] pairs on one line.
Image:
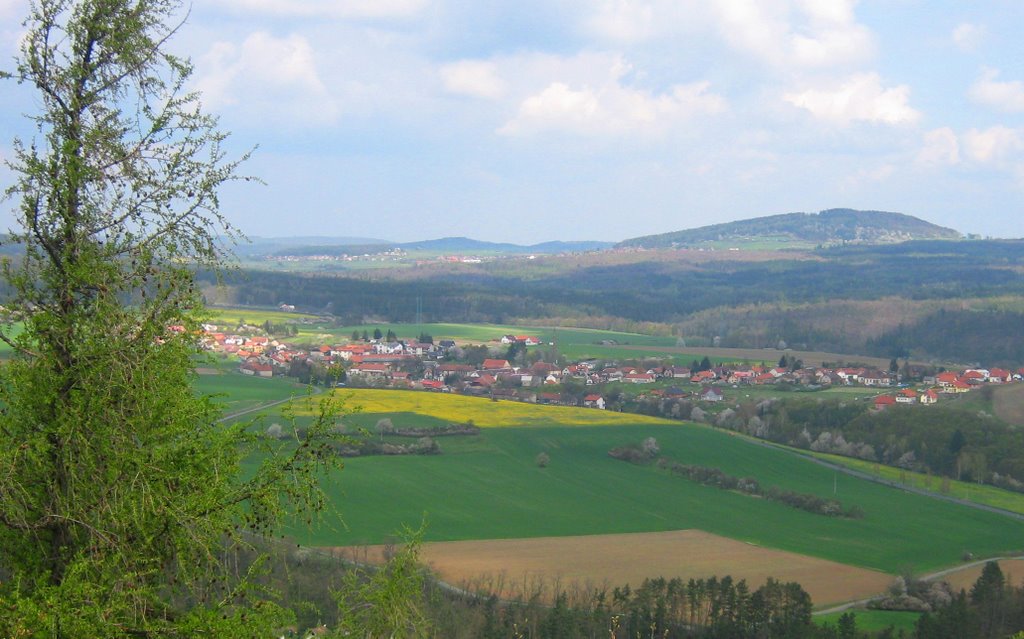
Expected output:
{"points": [[833, 226]]}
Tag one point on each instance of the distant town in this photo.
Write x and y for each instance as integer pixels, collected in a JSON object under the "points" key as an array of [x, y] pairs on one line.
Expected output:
{"points": [[500, 369]]}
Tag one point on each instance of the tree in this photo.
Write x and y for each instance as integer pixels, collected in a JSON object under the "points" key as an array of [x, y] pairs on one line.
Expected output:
{"points": [[355, 336], [542, 460], [391, 337], [377, 334], [120, 492], [388, 602]]}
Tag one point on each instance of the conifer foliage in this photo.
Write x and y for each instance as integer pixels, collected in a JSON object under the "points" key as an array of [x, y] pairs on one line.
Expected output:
{"points": [[120, 493]]}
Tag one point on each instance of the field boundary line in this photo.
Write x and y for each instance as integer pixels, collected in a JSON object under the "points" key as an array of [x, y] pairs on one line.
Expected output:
{"points": [[932, 576], [885, 482]]}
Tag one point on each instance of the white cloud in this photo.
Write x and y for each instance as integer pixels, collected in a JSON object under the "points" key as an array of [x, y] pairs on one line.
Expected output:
{"points": [[967, 36], [992, 145], [611, 108], [860, 98], [622, 20], [373, 9], [275, 77], [803, 34], [871, 175], [12, 8], [475, 78], [940, 147], [1004, 96]]}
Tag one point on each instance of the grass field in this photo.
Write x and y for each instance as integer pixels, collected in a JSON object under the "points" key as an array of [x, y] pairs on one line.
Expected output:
{"points": [[875, 620], [482, 333], [313, 330], [253, 317], [1008, 403], [488, 487], [979, 493], [513, 567], [235, 392], [769, 356]]}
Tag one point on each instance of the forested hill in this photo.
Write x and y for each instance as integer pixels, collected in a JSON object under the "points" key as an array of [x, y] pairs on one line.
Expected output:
{"points": [[834, 226]]}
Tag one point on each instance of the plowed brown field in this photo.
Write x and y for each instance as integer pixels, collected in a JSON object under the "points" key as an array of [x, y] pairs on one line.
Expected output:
{"points": [[1013, 570], [512, 566]]}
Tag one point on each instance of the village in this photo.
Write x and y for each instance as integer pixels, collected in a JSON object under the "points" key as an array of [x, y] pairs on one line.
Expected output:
{"points": [[444, 366]]}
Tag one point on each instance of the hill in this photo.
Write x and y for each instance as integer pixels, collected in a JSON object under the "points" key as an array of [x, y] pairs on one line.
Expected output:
{"points": [[465, 244], [833, 226]]}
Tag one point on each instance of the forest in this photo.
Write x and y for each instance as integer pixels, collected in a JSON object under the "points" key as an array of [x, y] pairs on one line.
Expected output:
{"points": [[786, 298]]}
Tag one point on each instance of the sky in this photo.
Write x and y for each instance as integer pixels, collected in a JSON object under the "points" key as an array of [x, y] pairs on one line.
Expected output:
{"points": [[534, 120]]}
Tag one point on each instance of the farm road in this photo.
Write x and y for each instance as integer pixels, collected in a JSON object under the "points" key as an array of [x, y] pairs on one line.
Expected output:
{"points": [[316, 391], [929, 577], [889, 482]]}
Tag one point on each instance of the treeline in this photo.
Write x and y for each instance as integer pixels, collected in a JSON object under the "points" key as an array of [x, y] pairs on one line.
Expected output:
{"points": [[647, 453], [664, 292], [992, 337], [750, 486], [993, 608], [832, 225], [944, 441], [347, 597]]}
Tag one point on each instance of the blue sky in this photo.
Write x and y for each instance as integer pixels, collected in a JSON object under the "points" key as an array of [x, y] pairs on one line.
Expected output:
{"points": [[603, 119]]}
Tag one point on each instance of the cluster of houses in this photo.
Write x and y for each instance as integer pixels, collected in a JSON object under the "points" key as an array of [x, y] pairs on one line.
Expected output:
{"points": [[419, 365], [949, 383]]}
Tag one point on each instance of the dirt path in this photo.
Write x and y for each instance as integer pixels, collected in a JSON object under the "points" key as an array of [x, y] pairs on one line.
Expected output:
{"points": [[886, 482], [929, 577], [316, 391]]}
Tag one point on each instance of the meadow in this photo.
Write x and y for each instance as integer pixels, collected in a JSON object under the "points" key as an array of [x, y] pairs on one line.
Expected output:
{"points": [[488, 486], [1008, 404], [235, 392], [875, 620], [313, 329], [969, 491]]}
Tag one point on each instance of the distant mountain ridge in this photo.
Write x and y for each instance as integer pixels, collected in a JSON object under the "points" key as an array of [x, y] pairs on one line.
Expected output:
{"points": [[463, 245], [832, 226], [468, 244]]}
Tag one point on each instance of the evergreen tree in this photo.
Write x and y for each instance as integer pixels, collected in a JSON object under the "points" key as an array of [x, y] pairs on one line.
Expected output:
{"points": [[120, 492]]}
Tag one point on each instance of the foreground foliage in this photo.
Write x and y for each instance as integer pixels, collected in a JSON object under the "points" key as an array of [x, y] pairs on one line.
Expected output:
{"points": [[120, 495]]}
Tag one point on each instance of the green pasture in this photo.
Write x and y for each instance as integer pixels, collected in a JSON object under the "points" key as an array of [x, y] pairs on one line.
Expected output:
{"points": [[482, 333], [488, 486], [970, 491], [875, 620], [229, 318], [235, 392], [11, 331], [310, 325], [583, 351]]}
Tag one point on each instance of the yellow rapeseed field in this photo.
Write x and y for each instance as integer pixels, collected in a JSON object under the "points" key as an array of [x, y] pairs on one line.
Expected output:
{"points": [[483, 412]]}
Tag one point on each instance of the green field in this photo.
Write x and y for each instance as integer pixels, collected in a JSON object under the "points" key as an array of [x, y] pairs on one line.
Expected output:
{"points": [[488, 487], [235, 392], [875, 620], [970, 491], [482, 333], [252, 316], [312, 329]]}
